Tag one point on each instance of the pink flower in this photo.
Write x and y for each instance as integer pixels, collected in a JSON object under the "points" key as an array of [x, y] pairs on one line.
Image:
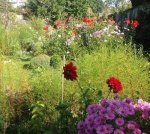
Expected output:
{"points": [[99, 121], [137, 131], [132, 125], [46, 28], [127, 21], [110, 116], [80, 125], [118, 131], [119, 121], [145, 115], [101, 130], [109, 128]]}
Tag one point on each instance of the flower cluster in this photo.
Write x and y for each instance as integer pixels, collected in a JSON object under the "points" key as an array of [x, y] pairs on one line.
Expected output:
{"points": [[88, 21], [112, 117], [133, 23], [144, 108]]}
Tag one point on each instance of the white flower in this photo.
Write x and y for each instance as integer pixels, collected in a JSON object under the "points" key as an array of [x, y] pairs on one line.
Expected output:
{"points": [[59, 35]]}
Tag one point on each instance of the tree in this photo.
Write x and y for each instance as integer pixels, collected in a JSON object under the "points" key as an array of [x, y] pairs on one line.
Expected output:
{"points": [[57, 9], [138, 2]]}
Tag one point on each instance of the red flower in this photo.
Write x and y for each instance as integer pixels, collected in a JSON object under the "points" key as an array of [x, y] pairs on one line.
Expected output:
{"points": [[46, 28], [59, 23], [114, 84], [135, 24], [88, 21], [70, 71], [127, 22]]}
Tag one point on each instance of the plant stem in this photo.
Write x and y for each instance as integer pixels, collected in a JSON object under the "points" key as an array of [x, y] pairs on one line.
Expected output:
{"points": [[83, 96], [108, 94], [79, 85], [62, 81]]}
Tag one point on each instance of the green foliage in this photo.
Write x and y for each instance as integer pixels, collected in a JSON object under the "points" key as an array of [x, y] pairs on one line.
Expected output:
{"points": [[55, 44], [8, 40], [22, 38], [51, 10], [38, 111], [64, 119], [57, 9], [110, 61], [55, 61]]}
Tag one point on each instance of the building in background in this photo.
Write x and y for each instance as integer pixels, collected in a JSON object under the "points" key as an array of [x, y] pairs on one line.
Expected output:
{"points": [[17, 3]]}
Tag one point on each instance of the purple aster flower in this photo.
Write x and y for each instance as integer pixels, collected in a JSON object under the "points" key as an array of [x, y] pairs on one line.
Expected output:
{"points": [[102, 110], [119, 121], [137, 131], [122, 129], [110, 116], [88, 131], [109, 128], [145, 115], [122, 111], [104, 103], [99, 121], [92, 108], [101, 129], [128, 101], [131, 111], [132, 125], [81, 132], [90, 118], [80, 125], [118, 131]]}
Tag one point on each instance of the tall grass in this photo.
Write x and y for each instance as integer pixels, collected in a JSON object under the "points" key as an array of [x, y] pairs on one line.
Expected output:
{"points": [[122, 61]]}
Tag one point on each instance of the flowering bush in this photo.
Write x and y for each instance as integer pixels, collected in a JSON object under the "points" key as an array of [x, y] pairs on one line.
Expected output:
{"points": [[133, 23], [116, 116], [129, 28], [88, 21]]}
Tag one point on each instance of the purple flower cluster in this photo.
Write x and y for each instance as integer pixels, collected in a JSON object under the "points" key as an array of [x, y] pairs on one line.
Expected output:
{"points": [[113, 117]]}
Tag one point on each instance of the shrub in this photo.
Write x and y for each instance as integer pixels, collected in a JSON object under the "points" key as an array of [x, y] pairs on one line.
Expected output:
{"points": [[55, 61], [41, 60]]}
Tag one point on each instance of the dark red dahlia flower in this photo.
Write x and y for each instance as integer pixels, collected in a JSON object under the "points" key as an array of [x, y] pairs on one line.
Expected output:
{"points": [[114, 84], [70, 71], [135, 24]]}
